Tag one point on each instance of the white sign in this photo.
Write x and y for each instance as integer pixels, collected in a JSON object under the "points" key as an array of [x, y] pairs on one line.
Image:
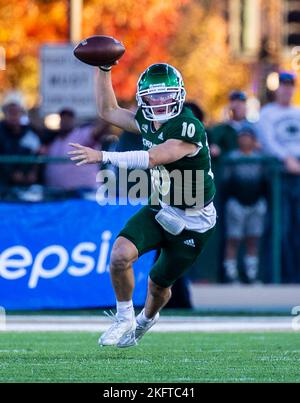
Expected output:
{"points": [[66, 82]]}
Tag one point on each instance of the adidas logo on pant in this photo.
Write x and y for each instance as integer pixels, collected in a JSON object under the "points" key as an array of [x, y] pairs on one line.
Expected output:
{"points": [[190, 242]]}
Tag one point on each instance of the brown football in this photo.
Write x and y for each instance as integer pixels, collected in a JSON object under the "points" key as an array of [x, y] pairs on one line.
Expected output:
{"points": [[99, 50]]}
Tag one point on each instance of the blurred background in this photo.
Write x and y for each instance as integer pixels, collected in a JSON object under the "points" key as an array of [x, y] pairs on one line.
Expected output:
{"points": [[239, 60], [217, 44]]}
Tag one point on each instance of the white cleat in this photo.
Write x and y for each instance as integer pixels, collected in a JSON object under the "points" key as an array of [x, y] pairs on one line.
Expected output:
{"points": [[121, 328], [128, 340], [142, 329]]}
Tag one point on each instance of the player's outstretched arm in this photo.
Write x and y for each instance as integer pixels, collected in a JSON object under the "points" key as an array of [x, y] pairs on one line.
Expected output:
{"points": [[170, 151], [108, 107]]}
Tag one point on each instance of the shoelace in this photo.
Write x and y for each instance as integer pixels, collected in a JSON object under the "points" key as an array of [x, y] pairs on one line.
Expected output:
{"points": [[112, 316]]}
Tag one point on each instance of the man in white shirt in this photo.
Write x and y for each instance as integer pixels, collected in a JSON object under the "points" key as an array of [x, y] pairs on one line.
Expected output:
{"points": [[280, 126], [279, 130]]}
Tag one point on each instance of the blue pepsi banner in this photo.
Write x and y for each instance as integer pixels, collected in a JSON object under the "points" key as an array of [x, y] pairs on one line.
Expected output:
{"points": [[56, 255]]}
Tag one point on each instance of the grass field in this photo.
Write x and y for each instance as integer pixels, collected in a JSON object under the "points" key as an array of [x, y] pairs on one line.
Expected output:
{"points": [[160, 357]]}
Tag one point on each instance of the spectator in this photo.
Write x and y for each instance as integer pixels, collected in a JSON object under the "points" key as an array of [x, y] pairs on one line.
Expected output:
{"points": [[66, 176], [197, 111], [223, 137], [17, 139], [279, 129], [129, 141], [36, 121], [245, 188]]}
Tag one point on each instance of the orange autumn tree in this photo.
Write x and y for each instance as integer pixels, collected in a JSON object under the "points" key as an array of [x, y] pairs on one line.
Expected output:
{"points": [[203, 56], [146, 27], [24, 26], [191, 34]]}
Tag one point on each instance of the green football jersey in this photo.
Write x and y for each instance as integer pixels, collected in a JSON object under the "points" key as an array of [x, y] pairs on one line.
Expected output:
{"points": [[188, 182]]}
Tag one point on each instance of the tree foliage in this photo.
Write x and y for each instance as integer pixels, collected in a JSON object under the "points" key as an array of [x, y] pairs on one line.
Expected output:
{"points": [[24, 26], [191, 34], [202, 53], [146, 28]]}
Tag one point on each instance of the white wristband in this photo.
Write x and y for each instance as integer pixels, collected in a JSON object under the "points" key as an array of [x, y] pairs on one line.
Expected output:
{"points": [[128, 159]]}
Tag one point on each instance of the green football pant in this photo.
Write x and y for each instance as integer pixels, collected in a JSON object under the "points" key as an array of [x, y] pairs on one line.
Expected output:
{"points": [[178, 252]]}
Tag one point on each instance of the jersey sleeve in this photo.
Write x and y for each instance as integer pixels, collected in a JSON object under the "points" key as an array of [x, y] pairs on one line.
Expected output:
{"points": [[189, 130]]}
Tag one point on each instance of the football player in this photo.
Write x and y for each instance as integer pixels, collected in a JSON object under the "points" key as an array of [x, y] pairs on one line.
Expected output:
{"points": [[174, 140]]}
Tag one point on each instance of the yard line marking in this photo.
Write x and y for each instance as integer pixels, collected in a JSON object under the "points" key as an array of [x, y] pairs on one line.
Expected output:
{"points": [[55, 323]]}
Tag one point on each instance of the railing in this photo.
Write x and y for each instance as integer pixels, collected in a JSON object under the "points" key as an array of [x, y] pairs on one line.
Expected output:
{"points": [[32, 159], [273, 166], [275, 169]]}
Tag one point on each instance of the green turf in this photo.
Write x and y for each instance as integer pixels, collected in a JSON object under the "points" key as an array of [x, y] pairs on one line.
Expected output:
{"points": [[160, 357], [165, 312]]}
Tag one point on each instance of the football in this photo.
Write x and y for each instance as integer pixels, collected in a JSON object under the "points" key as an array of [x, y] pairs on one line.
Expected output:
{"points": [[99, 50]]}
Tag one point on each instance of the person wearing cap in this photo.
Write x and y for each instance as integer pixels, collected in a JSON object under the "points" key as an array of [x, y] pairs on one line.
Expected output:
{"points": [[245, 186], [279, 131], [17, 137], [223, 137], [66, 177], [279, 125], [222, 140]]}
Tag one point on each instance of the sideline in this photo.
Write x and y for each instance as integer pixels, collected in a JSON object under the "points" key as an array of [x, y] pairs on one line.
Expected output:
{"points": [[24, 323]]}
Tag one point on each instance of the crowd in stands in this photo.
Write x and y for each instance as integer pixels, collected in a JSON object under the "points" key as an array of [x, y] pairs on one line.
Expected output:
{"points": [[21, 137], [238, 149]]}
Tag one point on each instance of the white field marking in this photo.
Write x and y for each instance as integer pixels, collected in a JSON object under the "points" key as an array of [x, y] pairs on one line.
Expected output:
{"points": [[26, 323], [15, 351]]}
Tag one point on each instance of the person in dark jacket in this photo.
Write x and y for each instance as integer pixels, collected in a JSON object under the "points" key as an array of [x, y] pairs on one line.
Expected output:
{"points": [[17, 139], [245, 188]]}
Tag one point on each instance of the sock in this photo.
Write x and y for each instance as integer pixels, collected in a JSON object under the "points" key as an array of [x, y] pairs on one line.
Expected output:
{"points": [[251, 266], [125, 309], [142, 318], [230, 266]]}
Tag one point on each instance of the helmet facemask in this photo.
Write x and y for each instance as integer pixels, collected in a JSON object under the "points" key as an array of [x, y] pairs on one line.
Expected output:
{"points": [[160, 101]]}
